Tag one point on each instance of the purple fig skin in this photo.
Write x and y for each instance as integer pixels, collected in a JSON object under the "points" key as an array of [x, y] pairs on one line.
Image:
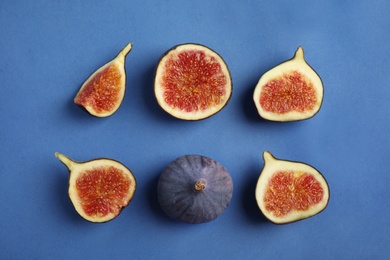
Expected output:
{"points": [[194, 189]]}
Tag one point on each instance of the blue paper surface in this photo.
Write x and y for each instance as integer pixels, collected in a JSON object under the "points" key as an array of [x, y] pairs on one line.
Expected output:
{"points": [[48, 49]]}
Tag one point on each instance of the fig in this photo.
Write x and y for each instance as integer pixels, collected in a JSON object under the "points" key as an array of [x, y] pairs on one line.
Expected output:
{"points": [[100, 188], [291, 91], [288, 191], [102, 93], [192, 82], [194, 189]]}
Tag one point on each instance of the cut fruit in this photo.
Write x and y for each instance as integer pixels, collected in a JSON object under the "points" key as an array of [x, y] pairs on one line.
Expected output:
{"points": [[194, 189], [289, 191], [291, 91], [192, 82], [99, 189], [102, 93]]}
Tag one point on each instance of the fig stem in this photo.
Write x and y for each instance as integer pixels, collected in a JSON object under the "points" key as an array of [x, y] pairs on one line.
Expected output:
{"points": [[65, 160], [126, 50], [267, 156], [299, 54], [200, 185]]}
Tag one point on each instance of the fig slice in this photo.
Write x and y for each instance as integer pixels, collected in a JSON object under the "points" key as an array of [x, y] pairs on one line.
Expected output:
{"points": [[288, 191], [192, 82], [100, 188], [194, 189], [103, 92], [291, 91]]}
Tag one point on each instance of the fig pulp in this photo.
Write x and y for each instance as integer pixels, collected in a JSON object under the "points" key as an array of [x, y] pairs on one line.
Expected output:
{"points": [[192, 82], [194, 189], [290, 91], [289, 191], [99, 189], [102, 93]]}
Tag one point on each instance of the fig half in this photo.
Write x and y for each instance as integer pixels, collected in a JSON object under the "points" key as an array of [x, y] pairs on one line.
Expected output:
{"points": [[288, 191], [103, 92], [291, 91], [192, 82], [100, 188]]}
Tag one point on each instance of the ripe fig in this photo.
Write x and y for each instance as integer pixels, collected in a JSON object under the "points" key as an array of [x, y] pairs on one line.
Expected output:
{"points": [[194, 189], [288, 191], [192, 82], [99, 189], [290, 91], [102, 93]]}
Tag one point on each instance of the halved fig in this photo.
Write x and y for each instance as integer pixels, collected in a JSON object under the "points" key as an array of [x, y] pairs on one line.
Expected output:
{"points": [[192, 82], [100, 188], [102, 93], [291, 91], [288, 191], [194, 189]]}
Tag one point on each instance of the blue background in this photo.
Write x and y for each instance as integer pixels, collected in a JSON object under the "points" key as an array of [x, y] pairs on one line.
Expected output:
{"points": [[48, 49]]}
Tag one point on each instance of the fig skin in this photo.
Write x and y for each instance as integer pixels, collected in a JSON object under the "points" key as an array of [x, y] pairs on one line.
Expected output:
{"points": [[77, 168], [194, 189], [159, 70], [87, 101], [299, 64], [272, 165]]}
